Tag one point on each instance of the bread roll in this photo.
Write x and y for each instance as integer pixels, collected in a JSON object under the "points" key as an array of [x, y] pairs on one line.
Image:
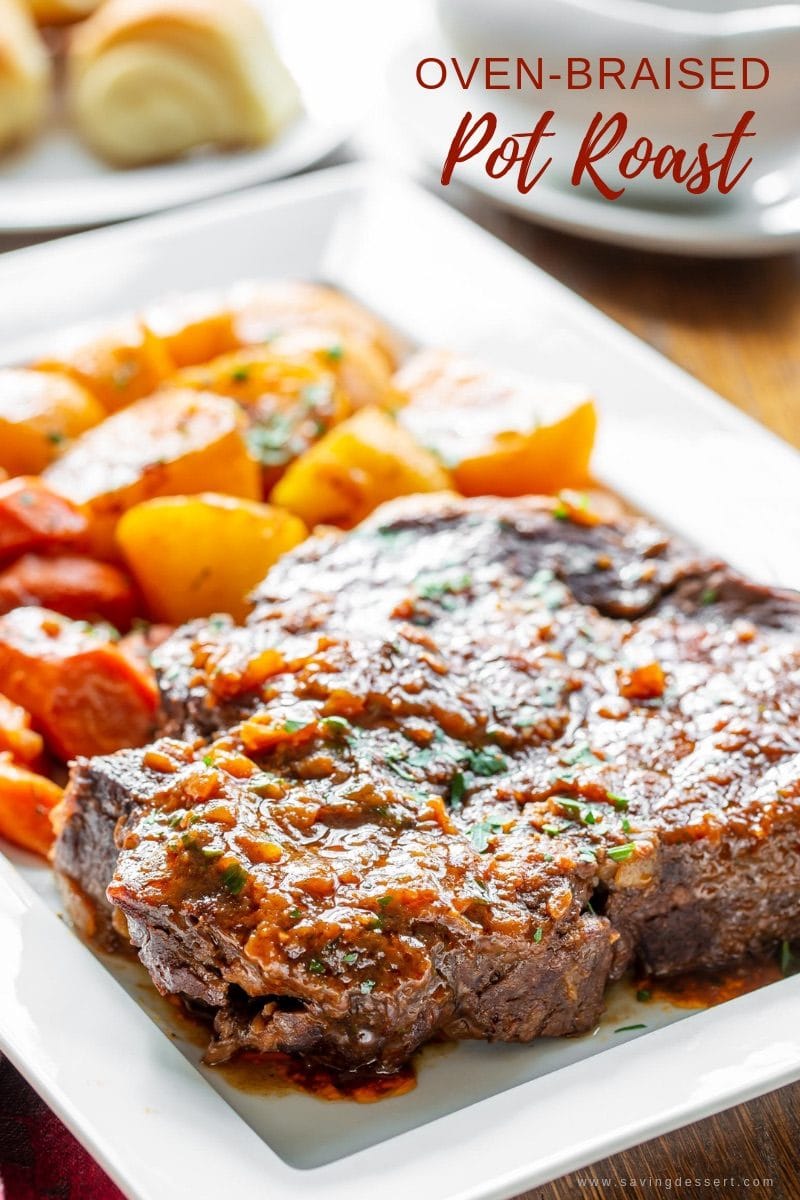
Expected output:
{"points": [[153, 79], [61, 12], [24, 74]]}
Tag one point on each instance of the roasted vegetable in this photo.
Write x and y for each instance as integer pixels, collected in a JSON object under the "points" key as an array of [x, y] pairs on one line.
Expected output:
{"points": [[196, 555], [265, 311], [362, 370], [498, 433], [26, 801], [40, 413], [367, 459], [82, 692], [124, 364], [171, 443], [194, 328], [70, 584], [289, 402], [33, 517], [16, 735]]}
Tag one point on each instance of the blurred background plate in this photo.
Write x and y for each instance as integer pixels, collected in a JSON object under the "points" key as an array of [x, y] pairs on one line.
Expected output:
{"points": [[54, 183]]}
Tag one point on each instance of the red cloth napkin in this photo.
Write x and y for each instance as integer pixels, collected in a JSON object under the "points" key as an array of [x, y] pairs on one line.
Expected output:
{"points": [[39, 1158]]}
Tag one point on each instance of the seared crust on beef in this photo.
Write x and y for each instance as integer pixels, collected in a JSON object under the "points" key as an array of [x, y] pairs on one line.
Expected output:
{"points": [[458, 769]]}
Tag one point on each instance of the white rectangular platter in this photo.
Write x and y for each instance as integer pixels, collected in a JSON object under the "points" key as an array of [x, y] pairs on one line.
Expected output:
{"points": [[484, 1121]]}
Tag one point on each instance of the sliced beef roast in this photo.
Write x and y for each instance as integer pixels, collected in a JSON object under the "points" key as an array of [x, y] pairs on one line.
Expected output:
{"points": [[460, 767]]}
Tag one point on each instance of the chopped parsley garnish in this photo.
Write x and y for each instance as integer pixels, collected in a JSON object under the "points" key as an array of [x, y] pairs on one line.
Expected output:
{"points": [[367, 986], [622, 853], [316, 395], [295, 914], [240, 374], [294, 726], [619, 802], [234, 878], [643, 995], [549, 695], [55, 437], [545, 587], [537, 937], [458, 787], [481, 834], [338, 726], [709, 596], [488, 761], [787, 958], [400, 761], [553, 830], [350, 958], [577, 811], [275, 442], [561, 512], [208, 760], [316, 967], [385, 901], [261, 783], [435, 589], [627, 1028], [335, 353], [578, 756]]}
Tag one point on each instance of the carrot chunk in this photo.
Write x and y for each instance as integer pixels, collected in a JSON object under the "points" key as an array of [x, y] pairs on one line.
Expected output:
{"points": [[84, 694], [33, 517], [26, 800], [16, 735], [72, 585]]}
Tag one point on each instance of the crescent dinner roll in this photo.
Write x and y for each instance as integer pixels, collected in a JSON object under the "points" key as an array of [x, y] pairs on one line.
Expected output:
{"points": [[61, 12], [24, 74], [153, 79]]}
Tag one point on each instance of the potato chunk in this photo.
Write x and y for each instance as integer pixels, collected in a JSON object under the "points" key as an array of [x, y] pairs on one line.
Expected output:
{"points": [[40, 414], [197, 555], [361, 369], [172, 443], [123, 364], [194, 328], [289, 403], [499, 433], [267, 310], [358, 465]]}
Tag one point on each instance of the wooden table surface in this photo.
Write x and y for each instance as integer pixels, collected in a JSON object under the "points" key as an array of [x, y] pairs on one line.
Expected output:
{"points": [[735, 326]]}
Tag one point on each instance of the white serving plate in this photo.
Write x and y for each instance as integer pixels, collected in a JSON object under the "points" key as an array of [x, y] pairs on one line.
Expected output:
{"points": [[484, 1121], [54, 182]]}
